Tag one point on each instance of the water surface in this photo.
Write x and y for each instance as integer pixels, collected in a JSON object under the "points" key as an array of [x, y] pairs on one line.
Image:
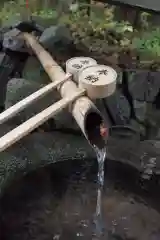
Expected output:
{"points": [[59, 203]]}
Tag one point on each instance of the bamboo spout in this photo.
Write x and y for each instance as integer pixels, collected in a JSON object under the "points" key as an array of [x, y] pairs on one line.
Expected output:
{"points": [[83, 110]]}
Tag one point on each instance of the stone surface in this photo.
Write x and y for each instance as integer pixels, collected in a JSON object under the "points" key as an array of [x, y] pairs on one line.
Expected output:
{"points": [[40, 149], [140, 108], [56, 34], [34, 72], [119, 107], [144, 85]]}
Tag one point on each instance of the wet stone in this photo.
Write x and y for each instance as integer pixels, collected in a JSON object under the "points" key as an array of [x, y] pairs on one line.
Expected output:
{"points": [[34, 72], [118, 107], [140, 108], [145, 85], [56, 36]]}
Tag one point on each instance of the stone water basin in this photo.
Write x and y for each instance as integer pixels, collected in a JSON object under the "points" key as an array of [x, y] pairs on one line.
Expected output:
{"points": [[58, 202]]}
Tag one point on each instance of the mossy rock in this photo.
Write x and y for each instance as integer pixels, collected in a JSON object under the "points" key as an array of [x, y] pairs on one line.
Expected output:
{"points": [[34, 72]]}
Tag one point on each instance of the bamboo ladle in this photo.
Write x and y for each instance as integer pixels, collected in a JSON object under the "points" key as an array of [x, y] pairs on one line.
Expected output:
{"points": [[82, 108]]}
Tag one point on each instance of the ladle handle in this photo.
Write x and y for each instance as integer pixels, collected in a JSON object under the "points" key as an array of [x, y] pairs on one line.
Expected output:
{"points": [[13, 110], [25, 128]]}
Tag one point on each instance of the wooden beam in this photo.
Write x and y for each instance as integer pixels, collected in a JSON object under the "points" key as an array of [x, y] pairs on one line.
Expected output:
{"points": [[145, 5]]}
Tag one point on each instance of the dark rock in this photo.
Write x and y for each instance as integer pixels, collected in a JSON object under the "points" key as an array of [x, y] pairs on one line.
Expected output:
{"points": [[135, 153], [34, 72], [140, 128], [118, 107], [119, 77], [56, 37], [38, 150], [140, 108], [44, 22], [144, 85]]}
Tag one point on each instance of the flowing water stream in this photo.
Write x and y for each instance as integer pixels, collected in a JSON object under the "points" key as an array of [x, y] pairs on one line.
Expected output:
{"points": [[101, 156]]}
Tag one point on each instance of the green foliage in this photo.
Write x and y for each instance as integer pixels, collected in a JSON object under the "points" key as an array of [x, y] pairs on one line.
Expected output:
{"points": [[9, 9], [98, 31], [149, 42], [17, 9], [46, 14]]}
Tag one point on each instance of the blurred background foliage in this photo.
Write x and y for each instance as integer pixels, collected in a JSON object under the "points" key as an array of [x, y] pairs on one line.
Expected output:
{"points": [[96, 25]]}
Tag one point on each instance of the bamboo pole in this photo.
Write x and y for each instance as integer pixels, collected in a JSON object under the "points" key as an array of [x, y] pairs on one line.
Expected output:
{"points": [[19, 106], [83, 107]]}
